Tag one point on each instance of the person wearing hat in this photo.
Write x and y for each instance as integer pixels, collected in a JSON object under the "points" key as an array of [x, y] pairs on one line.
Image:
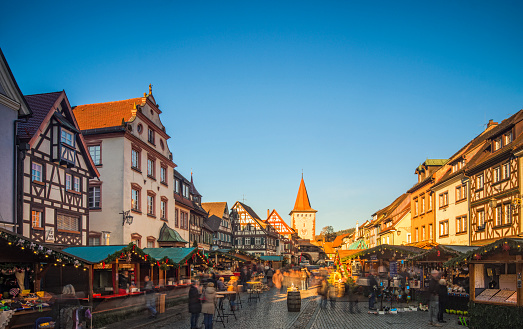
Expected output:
{"points": [[209, 296]]}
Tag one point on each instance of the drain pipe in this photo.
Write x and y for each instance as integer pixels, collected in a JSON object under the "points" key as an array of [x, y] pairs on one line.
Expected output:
{"points": [[17, 227]]}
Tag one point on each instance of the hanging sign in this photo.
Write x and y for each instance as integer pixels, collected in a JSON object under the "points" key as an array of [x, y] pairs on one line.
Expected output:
{"points": [[393, 268], [49, 234], [374, 257]]}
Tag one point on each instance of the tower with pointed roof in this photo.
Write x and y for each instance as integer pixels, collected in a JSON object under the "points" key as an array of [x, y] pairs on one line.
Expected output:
{"points": [[303, 217]]}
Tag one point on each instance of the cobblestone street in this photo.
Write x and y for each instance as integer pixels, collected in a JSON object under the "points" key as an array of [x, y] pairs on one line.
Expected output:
{"points": [[271, 312]]}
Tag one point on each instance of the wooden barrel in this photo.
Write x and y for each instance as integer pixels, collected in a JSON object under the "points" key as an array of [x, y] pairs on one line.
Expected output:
{"points": [[293, 301]]}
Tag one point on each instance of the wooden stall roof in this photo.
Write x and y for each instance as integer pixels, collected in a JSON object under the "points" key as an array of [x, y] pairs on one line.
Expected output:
{"points": [[440, 253], [18, 248], [511, 245], [107, 254], [384, 251], [174, 254]]}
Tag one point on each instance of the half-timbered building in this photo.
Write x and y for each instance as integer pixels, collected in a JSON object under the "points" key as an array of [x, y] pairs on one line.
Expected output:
{"points": [[288, 237], [54, 187], [128, 144], [495, 179], [13, 107], [197, 216], [251, 233], [219, 222]]}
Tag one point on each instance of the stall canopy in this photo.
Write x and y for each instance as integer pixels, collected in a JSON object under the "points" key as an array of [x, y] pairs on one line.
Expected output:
{"points": [[174, 255], [384, 251], [107, 254], [441, 253], [513, 246], [270, 258], [17, 248], [358, 244], [229, 254]]}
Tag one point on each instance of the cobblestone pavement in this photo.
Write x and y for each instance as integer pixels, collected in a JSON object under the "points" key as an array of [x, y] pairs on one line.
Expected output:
{"points": [[271, 312]]}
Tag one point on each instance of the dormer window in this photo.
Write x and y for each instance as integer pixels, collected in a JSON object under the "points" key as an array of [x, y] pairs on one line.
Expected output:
{"points": [[497, 144], [67, 138], [508, 138]]}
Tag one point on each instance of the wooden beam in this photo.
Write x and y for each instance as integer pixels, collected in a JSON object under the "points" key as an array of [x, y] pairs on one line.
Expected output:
{"points": [[91, 278]]}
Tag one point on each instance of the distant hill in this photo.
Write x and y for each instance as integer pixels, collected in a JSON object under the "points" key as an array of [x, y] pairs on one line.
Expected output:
{"points": [[332, 236], [346, 231]]}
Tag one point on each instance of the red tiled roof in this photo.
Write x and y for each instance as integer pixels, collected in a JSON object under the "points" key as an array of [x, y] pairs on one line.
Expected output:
{"points": [[215, 208], [103, 115], [339, 239], [302, 200]]}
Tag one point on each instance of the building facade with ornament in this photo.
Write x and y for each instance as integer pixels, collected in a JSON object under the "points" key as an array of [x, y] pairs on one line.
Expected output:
{"points": [[495, 183], [395, 226], [134, 196], [251, 233], [288, 241], [303, 217], [55, 172], [13, 107]]}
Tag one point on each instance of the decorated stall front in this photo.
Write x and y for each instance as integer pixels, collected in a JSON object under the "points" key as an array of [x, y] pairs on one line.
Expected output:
{"points": [[496, 288], [227, 262], [456, 277], [31, 274]]}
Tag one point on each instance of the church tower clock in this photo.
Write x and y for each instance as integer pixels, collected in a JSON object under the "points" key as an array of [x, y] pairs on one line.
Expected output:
{"points": [[303, 217]]}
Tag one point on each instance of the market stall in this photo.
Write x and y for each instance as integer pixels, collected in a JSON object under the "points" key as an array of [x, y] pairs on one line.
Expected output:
{"points": [[495, 272], [457, 277], [31, 273]]}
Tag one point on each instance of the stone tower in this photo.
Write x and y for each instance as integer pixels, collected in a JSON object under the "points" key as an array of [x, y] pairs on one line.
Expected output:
{"points": [[303, 217]]}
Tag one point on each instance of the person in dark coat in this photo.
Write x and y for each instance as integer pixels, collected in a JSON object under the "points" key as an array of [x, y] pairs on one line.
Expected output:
{"points": [[195, 304], [434, 298], [443, 299], [373, 284]]}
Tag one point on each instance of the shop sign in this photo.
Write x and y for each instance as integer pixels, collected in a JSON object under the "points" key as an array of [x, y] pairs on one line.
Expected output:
{"points": [[49, 234], [393, 268], [373, 257]]}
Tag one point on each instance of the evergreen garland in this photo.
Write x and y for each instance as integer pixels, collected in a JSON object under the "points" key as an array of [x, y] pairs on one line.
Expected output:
{"points": [[505, 244]]}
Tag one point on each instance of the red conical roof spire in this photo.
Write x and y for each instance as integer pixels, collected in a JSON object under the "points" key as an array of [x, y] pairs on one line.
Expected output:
{"points": [[302, 200]]}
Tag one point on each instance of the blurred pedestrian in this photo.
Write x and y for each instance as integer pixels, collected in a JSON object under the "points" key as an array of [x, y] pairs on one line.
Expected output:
{"points": [[277, 279], [443, 299], [434, 298], [150, 297], [323, 291], [208, 305], [373, 284], [195, 304]]}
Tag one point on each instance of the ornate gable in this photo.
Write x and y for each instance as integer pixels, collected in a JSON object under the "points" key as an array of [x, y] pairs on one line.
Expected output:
{"points": [[278, 223]]}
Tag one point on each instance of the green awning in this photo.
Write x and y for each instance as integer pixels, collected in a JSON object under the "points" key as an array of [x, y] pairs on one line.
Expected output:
{"points": [[358, 244], [94, 254], [270, 258], [167, 234], [175, 255]]}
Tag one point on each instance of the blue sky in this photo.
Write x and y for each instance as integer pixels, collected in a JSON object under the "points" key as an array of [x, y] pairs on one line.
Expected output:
{"points": [[355, 94]]}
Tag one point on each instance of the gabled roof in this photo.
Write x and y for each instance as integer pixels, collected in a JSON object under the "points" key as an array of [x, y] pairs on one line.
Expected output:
{"points": [[45, 107], [215, 208], [94, 254], [12, 91], [104, 115], [302, 199], [167, 234], [213, 222], [339, 240], [275, 218], [194, 191], [252, 214]]}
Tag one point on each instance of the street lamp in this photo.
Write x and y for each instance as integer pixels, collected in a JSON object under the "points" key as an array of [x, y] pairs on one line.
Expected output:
{"points": [[127, 218]]}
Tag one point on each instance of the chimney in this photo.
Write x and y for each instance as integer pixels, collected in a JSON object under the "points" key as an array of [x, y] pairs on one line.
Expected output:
{"points": [[268, 213], [491, 123]]}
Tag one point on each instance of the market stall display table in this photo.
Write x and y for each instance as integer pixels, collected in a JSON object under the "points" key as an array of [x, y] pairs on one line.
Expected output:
{"points": [[218, 312], [254, 291], [228, 295]]}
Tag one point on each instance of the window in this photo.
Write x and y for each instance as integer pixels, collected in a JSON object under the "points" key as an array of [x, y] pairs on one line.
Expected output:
{"points": [[163, 208], [136, 239], [150, 137], [94, 241], [430, 232], [94, 197], [135, 159], [461, 224], [150, 204], [247, 241], [36, 172], [257, 241], [498, 216], [135, 199], [68, 182], [423, 233], [444, 199], [67, 223], [36, 219], [416, 236], [151, 242], [150, 167], [481, 219], [408, 238], [415, 207], [461, 192], [444, 228], [429, 205], [163, 175], [507, 213], [67, 138], [176, 216], [185, 191], [480, 181], [505, 171], [508, 138], [94, 151], [497, 143], [177, 186], [422, 205], [76, 184], [496, 174]]}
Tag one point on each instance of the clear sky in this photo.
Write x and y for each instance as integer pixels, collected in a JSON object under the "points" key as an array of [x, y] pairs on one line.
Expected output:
{"points": [[354, 93]]}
